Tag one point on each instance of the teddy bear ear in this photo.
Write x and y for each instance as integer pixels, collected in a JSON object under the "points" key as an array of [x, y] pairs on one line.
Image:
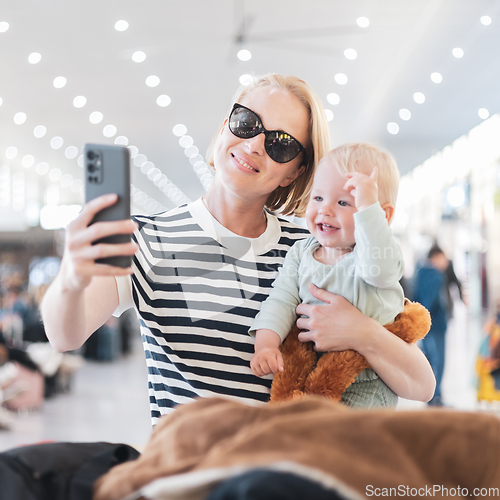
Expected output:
{"points": [[412, 324]]}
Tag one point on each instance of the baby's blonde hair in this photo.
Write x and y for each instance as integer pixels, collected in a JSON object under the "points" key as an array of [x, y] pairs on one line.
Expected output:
{"points": [[362, 157]]}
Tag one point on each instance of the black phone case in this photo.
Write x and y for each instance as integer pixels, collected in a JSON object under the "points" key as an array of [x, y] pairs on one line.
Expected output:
{"points": [[107, 170]]}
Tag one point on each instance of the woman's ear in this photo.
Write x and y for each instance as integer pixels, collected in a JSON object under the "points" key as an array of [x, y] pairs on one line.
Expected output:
{"points": [[223, 126], [389, 211], [296, 173]]}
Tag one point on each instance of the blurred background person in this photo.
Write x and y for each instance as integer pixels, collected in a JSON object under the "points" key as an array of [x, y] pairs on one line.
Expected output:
{"points": [[431, 290]]}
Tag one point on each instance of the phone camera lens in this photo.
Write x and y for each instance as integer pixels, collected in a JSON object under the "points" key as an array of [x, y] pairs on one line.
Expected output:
{"points": [[91, 167], [91, 155]]}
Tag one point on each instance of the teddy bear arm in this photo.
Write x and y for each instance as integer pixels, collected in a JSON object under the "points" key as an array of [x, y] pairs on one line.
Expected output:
{"points": [[412, 324]]}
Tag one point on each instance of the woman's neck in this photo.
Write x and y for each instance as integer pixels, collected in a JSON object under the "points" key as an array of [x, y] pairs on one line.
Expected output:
{"points": [[236, 214]]}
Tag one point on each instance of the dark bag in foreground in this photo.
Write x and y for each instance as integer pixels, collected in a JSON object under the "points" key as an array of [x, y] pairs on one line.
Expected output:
{"points": [[58, 471]]}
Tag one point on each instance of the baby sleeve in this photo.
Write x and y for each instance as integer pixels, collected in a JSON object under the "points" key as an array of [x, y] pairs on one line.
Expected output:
{"points": [[277, 312], [379, 257]]}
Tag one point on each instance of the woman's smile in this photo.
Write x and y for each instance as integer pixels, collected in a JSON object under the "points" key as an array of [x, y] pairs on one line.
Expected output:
{"points": [[244, 164]]}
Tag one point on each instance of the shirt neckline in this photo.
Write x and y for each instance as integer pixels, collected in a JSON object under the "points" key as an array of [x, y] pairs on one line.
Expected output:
{"points": [[261, 245]]}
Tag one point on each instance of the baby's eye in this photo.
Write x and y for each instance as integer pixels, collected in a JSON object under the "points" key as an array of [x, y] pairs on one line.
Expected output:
{"points": [[318, 198], [343, 203]]}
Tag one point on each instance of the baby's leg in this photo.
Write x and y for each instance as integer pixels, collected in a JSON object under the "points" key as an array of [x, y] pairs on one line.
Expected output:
{"points": [[335, 372], [299, 358]]}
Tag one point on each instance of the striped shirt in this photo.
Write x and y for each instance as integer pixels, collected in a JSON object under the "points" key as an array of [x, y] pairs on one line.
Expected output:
{"points": [[197, 287]]}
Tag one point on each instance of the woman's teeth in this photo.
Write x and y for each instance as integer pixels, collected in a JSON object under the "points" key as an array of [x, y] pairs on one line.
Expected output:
{"points": [[246, 165]]}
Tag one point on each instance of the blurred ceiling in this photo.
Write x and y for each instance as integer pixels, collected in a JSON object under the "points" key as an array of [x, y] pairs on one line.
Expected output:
{"points": [[191, 48]]}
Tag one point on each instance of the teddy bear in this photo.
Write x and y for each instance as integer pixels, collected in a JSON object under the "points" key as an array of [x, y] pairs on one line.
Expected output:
{"points": [[329, 375]]}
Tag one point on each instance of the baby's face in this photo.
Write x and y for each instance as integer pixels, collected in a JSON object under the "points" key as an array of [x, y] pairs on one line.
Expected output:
{"points": [[331, 209]]}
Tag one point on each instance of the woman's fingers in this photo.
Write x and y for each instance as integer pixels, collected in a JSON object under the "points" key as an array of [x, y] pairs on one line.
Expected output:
{"points": [[102, 250], [99, 230], [91, 208]]}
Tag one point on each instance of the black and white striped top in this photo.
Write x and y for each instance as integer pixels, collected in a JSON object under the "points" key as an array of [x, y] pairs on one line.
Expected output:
{"points": [[197, 287]]}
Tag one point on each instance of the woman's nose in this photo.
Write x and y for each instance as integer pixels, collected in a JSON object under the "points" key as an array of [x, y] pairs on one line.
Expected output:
{"points": [[255, 144]]}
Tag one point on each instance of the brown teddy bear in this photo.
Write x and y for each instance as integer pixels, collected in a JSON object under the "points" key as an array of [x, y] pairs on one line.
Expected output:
{"points": [[333, 372]]}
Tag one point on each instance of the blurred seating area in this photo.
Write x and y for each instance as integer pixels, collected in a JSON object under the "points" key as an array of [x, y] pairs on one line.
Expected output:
{"points": [[31, 371]]}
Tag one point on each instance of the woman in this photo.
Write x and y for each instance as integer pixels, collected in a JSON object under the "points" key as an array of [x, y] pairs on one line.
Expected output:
{"points": [[203, 269]]}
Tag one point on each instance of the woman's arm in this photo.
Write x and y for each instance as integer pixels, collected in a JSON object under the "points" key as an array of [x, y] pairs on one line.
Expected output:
{"points": [[84, 294], [337, 325]]}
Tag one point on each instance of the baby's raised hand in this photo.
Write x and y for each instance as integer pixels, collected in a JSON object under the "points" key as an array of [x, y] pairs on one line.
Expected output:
{"points": [[363, 188], [266, 360]]}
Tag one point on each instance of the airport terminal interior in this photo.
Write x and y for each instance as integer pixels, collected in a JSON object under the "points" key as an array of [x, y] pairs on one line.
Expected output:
{"points": [[157, 77]]}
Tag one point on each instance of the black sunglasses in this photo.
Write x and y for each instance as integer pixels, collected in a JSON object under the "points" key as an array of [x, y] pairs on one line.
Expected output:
{"points": [[280, 146]]}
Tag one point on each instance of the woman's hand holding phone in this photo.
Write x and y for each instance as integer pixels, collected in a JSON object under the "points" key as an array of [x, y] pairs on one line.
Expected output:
{"points": [[78, 265]]}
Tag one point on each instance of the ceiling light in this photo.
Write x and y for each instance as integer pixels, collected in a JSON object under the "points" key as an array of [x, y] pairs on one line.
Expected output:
{"points": [[333, 98], [195, 159], [329, 115], [66, 180], [1, 101], [140, 160], [59, 82], [42, 168], [458, 52], [486, 20], [179, 130], [121, 25], [96, 117], [11, 153], [244, 55], [393, 128], [79, 101], [55, 174], [19, 118], [121, 140], [350, 54], [191, 151], [133, 151], [483, 113], [138, 56], [185, 141], [153, 172], [39, 131], [147, 167], [246, 79], [363, 22], [404, 114], [34, 58], [341, 78], [28, 161], [109, 131], [71, 152], [4, 26], [436, 77], [56, 142], [163, 100], [419, 98], [152, 81], [79, 162]]}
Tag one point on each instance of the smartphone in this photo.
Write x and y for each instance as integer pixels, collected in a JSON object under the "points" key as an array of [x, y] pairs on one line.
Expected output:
{"points": [[107, 170]]}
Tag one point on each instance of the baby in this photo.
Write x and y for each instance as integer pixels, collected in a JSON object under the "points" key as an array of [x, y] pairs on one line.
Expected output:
{"points": [[351, 250]]}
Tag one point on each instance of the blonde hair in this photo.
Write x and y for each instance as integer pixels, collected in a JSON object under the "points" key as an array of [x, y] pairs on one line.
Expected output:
{"points": [[362, 157], [292, 200]]}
